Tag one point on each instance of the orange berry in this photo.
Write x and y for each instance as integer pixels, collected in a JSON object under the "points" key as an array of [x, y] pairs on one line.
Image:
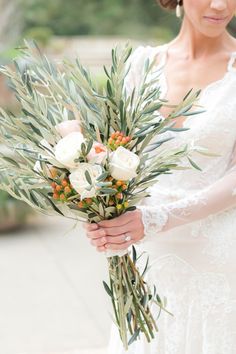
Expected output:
{"points": [[58, 188], [111, 202], [127, 138], [119, 195], [62, 197], [119, 183], [56, 196], [64, 183], [88, 200], [110, 141], [123, 141], [124, 187], [67, 190], [53, 185], [81, 205], [113, 135]]}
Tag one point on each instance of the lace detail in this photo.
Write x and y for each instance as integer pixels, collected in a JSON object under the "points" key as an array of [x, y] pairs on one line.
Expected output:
{"points": [[154, 219], [219, 231]]}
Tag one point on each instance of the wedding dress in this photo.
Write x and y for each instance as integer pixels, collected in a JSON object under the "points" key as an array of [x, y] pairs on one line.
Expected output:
{"points": [[190, 228]]}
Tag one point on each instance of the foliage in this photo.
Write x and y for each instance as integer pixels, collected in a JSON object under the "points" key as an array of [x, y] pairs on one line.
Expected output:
{"points": [[77, 17], [13, 212], [42, 35]]}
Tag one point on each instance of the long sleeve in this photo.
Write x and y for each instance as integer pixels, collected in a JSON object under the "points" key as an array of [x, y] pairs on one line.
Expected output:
{"points": [[213, 199]]}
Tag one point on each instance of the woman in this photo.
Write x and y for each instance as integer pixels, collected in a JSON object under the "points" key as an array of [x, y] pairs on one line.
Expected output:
{"points": [[188, 225]]}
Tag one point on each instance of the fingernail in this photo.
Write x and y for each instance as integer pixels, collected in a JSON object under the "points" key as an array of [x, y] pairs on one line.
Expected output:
{"points": [[93, 226]]}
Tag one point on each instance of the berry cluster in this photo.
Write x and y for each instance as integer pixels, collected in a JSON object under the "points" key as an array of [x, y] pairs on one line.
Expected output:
{"points": [[118, 199], [62, 189], [85, 203], [118, 139]]}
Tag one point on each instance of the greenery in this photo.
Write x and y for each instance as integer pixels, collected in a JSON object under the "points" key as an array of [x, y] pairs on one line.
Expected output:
{"points": [[136, 18], [13, 212]]}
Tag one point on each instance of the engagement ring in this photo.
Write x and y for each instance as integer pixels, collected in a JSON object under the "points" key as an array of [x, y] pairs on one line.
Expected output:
{"points": [[128, 238]]}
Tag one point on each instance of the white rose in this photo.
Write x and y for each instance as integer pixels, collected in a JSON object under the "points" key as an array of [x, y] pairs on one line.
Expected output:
{"points": [[68, 149], [79, 180], [123, 164]]}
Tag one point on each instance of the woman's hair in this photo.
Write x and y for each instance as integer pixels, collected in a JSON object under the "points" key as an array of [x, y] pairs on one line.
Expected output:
{"points": [[169, 4]]}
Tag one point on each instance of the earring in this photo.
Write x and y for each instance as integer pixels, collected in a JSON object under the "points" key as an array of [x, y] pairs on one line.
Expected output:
{"points": [[178, 9]]}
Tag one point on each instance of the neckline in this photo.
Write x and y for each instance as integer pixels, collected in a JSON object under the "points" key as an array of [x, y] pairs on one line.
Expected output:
{"points": [[164, 49], [230, 68]]}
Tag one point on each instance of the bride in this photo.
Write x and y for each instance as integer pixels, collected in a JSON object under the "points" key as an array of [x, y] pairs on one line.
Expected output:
{"points": [[188, 225]]}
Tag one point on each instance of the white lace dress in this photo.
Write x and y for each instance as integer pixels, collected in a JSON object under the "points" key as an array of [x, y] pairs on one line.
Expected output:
{"points": [[190, 227]]}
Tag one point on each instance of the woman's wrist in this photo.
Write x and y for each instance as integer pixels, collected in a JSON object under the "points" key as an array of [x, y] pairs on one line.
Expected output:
{"points": [[154, 219]]}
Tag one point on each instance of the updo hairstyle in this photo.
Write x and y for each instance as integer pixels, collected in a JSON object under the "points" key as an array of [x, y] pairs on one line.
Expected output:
{"points": [[169, 4]]}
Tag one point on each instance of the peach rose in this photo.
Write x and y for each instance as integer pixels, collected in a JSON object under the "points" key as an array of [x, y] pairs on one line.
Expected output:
{"points": [[67, 127], [98, 153]]}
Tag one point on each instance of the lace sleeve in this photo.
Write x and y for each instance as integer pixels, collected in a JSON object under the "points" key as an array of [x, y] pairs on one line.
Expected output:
{"points": [[217, 197]]}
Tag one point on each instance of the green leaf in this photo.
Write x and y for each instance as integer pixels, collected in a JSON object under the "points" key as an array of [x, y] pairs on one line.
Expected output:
{"points": [[194, 164], [132, 208], [102, 176], [88, 177], [107, 191], [134, 254], [106, 72], [158, 299], [89, 146], [146, 267], [108, 290], [134, 337], [109, 89]]}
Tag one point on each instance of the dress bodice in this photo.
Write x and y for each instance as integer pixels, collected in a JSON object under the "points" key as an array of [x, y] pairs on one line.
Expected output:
{"points": [[214, 129]]}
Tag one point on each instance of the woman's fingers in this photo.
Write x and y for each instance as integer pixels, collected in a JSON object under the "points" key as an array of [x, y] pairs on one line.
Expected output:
{"points": [[96, 234], [109, 240], [116, 247], [112, 234], [101, 249], [119, 221], [98, 242], [116, 231], [90, 227]]}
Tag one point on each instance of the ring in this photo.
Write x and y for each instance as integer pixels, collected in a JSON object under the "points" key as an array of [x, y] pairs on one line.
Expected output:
{"points": [[127, 238]]}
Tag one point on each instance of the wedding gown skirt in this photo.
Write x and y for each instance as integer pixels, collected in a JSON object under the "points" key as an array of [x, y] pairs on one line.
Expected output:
{"points": [[196, 273]]}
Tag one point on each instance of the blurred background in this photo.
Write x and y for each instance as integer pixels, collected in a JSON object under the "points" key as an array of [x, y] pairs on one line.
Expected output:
{"points": [[51, 299]]}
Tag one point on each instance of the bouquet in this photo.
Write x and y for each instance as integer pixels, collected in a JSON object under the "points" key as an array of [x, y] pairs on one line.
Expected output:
{"points": [[90, 155]]}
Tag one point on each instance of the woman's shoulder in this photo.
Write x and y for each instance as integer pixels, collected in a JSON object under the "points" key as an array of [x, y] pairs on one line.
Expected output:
{"points": [[142, 53], [146, 51]]}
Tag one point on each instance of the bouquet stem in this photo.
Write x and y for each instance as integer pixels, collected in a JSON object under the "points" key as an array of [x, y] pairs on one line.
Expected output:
{"points": [[131, 299]]}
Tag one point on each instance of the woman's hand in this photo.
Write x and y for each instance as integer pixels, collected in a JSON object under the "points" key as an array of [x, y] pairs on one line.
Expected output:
{"points": [[118, 233]]}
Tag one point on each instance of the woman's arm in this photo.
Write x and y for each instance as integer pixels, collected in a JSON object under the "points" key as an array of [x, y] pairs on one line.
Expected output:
{"points": [[218, 197], [148, 221]]}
